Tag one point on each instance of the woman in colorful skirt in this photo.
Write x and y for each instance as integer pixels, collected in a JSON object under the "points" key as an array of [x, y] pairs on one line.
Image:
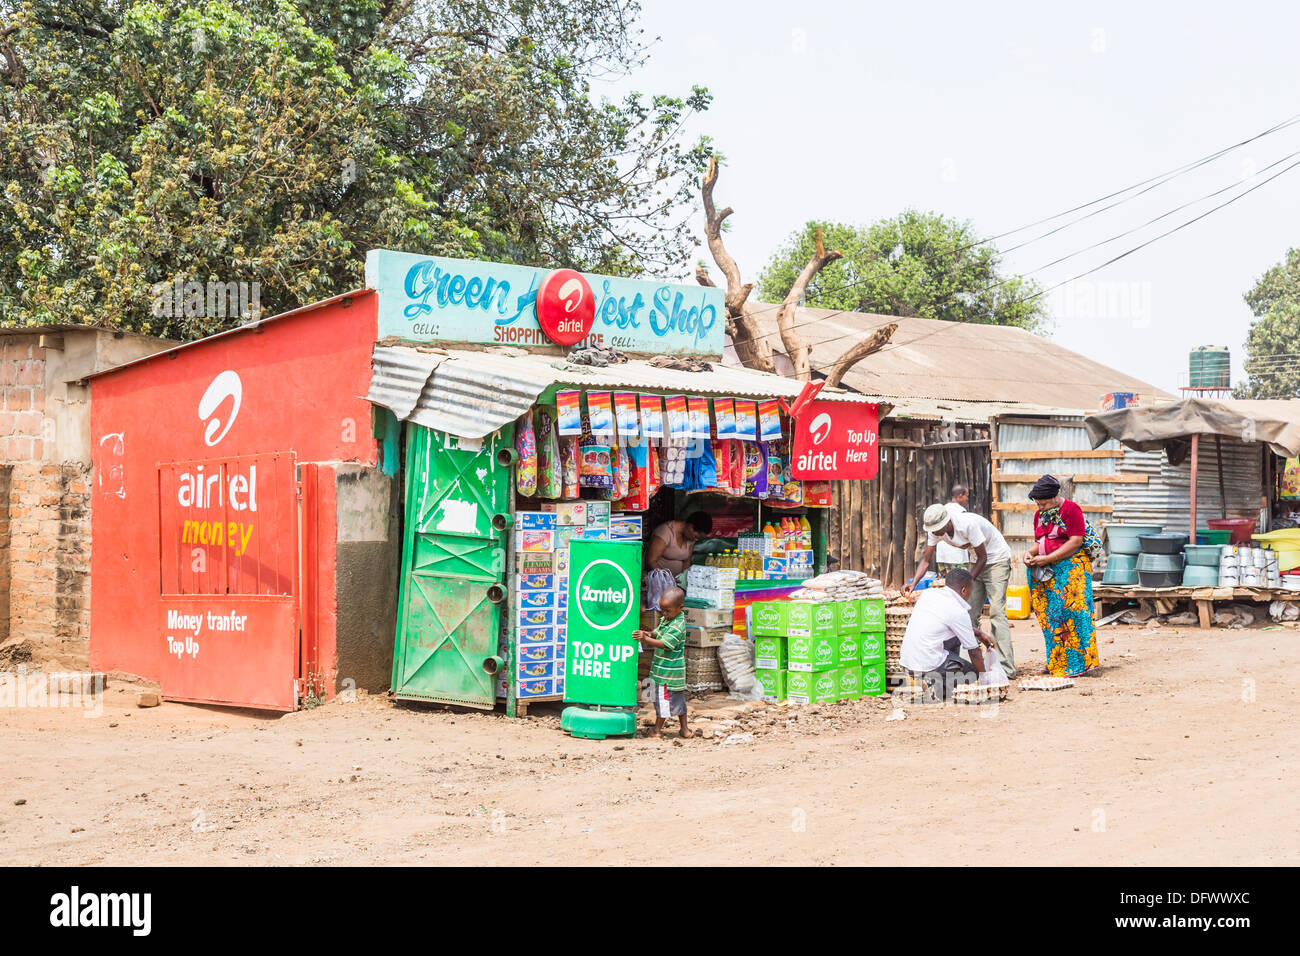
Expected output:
{"points": [[1060, 580]]}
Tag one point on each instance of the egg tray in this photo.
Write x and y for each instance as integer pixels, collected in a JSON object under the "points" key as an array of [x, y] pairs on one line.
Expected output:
{"points": [[980, 693], [1045, 682]]}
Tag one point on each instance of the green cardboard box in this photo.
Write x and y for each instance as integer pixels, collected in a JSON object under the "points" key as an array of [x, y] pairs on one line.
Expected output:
{"points": [[792, 619], [770, 653], [849, 683], [811, 688], [848, 616], [872, 614], [873, 680], [849, 650], [812, 653], [773, 681], [871, 647]]}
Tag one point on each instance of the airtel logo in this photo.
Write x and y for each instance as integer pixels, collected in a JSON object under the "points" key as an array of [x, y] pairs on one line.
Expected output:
{"points": [[571, 293], [224, 386], [820, 428]]}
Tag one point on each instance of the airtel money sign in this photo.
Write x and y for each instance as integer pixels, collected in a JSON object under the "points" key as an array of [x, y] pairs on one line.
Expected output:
{"points": [[836, 440]]}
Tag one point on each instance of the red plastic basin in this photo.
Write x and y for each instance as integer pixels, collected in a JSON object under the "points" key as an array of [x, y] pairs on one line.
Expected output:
{"points": [[1241, 528]]}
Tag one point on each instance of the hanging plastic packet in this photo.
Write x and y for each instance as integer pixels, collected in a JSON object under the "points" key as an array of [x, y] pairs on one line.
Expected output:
{"points": [[550, 478], [775, 473], [622, 471], [594, 467], [569, 468], [526, 448], [755, 469]]}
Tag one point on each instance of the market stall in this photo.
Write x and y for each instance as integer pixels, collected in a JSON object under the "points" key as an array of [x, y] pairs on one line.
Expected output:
{"points": [[1240, 542], [513, 455]]}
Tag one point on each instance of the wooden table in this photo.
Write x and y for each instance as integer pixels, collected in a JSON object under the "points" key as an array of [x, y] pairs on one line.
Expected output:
{"points": [[1203, 599]]}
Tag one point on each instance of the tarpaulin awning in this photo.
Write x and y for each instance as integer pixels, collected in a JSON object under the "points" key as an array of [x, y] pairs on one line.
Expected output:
{"points": [[1276, 423], [472, 394]]}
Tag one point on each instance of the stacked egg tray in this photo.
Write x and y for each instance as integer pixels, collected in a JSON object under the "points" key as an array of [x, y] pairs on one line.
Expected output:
{"points": [[980, 693], [703, 671]]}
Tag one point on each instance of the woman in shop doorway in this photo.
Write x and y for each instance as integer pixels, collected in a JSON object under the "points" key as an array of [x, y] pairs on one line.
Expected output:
{"points": [[672, 546], [1060, 580]]}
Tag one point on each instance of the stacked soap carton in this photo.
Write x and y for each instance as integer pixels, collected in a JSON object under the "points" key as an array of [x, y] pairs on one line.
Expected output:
{"points": [[625, 526], [541, 623], [816, 652], [711, 587], [707, 626]]}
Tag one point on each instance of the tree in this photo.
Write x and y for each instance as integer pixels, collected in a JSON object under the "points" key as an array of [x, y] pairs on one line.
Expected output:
{"points": [[747, 337], [916, 264], [275, 141], [1273, 343]]}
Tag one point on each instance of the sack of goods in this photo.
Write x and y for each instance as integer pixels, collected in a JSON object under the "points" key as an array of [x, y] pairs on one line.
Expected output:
{"points": [[840, 586]]}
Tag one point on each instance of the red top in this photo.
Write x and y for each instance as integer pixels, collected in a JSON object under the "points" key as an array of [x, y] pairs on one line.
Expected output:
{"points": [[1052, 535]]}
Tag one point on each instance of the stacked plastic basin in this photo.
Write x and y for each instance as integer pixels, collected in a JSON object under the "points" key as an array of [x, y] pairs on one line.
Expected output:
{"points": [[1160, 565], [1123, 549], [1202, 570]]}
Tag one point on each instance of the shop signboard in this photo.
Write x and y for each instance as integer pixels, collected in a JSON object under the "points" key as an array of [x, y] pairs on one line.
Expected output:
{"points": [[434, 299], [604, 598], [836, 441]]}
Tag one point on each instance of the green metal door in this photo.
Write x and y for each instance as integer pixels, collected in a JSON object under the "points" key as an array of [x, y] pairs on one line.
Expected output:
{"points": [[453, 561]]}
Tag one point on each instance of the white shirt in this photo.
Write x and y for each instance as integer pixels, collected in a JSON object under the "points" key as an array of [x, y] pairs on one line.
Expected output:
{"points": [[945, 553], [940, 615], [968, 531]]}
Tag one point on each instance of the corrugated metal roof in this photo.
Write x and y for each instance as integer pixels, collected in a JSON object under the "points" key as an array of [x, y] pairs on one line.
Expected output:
{"points": [[962, 361], [1166, 497], [946, 410], [472, 394]]}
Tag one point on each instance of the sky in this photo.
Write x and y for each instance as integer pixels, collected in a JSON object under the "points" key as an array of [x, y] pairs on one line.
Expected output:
{"points": [[1004, 114]]}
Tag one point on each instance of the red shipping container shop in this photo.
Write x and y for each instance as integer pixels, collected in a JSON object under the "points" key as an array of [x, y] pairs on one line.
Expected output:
{"points": [[240, 520]]}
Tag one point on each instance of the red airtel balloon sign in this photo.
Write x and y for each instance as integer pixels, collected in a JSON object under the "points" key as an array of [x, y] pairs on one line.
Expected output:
{"points": [[566, 307], [836, 440]]}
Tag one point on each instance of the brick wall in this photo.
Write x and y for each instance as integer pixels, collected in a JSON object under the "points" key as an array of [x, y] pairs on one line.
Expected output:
{"points": [[44, 511], [22, 399]]}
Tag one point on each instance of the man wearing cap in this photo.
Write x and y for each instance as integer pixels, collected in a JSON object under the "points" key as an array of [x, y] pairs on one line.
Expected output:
{"points": [[991, 569]]}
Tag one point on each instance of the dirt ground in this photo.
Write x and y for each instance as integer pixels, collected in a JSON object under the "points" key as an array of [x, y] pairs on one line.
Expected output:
{"points": [[1179, 751]]}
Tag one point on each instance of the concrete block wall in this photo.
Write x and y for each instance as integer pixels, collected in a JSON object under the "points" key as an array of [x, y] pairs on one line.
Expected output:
{"points": [[22, 399]]}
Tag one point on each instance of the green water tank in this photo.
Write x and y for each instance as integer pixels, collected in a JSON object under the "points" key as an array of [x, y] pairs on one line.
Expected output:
{"points": [[1210, 366]]}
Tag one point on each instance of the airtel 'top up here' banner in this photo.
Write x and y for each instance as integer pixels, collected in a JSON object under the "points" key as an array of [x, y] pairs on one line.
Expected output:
{"points": [[836, 440]]}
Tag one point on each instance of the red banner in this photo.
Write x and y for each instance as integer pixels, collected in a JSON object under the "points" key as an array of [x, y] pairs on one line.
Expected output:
{"points": [[836, 440]]}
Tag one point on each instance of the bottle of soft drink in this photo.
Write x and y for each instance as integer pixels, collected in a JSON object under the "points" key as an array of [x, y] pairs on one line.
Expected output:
{"points": [[806, 530]]}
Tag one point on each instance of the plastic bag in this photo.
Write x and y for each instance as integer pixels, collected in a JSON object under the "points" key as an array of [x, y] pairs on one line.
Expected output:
{"points": [[550, 477], [736, 657], [993, 672], [526, 467]]}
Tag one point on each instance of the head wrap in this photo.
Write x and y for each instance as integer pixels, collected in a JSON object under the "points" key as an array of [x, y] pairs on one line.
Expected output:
{"points": [[1045, 487]]}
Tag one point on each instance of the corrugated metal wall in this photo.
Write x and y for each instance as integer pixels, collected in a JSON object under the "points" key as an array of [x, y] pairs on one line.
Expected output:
{"points": [[1053, 440], [1166, 497]]}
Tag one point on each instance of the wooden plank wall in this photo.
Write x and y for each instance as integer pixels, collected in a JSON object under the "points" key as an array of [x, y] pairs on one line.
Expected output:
{"points": [[875, 526]]}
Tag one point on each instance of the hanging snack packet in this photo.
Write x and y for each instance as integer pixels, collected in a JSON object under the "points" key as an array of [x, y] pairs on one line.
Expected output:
{"points": [[526, 448], [550, 478], [755, 469], [594, 469], [569, 467]]}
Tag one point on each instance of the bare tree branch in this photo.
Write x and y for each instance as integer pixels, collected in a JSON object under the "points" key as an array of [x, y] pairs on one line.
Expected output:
{"points": [[858, 351], [795, 346], [752, 348]]}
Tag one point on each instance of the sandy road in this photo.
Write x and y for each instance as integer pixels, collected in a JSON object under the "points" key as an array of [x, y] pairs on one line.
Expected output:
{"points": [[1180, 752]]}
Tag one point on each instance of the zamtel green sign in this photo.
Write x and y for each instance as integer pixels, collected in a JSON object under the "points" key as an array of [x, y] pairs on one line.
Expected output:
{"points": [[604, 602]]}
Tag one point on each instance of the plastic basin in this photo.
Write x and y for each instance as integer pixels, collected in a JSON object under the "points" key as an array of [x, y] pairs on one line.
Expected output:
{"points": [[1206, 555], [1119, 577], [1198, 576], [1160, 579], [1121, 562], [1162, 543], [1160, 562], [1241, 528], [1123, 538], [1217, 536]]}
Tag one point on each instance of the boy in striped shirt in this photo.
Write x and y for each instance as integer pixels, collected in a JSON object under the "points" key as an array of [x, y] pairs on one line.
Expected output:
{"points": [[668, 668]]}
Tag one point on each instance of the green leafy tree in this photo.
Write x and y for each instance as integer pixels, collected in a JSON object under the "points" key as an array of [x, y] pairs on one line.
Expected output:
{"points": [[275, 141], [1273, 343], [916, 264]]}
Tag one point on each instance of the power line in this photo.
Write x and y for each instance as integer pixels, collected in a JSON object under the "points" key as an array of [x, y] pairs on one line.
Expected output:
{"points": [[1125, 254], [1165, 177]]}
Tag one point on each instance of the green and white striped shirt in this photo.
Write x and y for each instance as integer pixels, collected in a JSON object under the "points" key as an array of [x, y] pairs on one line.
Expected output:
{"points": [[668, 667]]}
